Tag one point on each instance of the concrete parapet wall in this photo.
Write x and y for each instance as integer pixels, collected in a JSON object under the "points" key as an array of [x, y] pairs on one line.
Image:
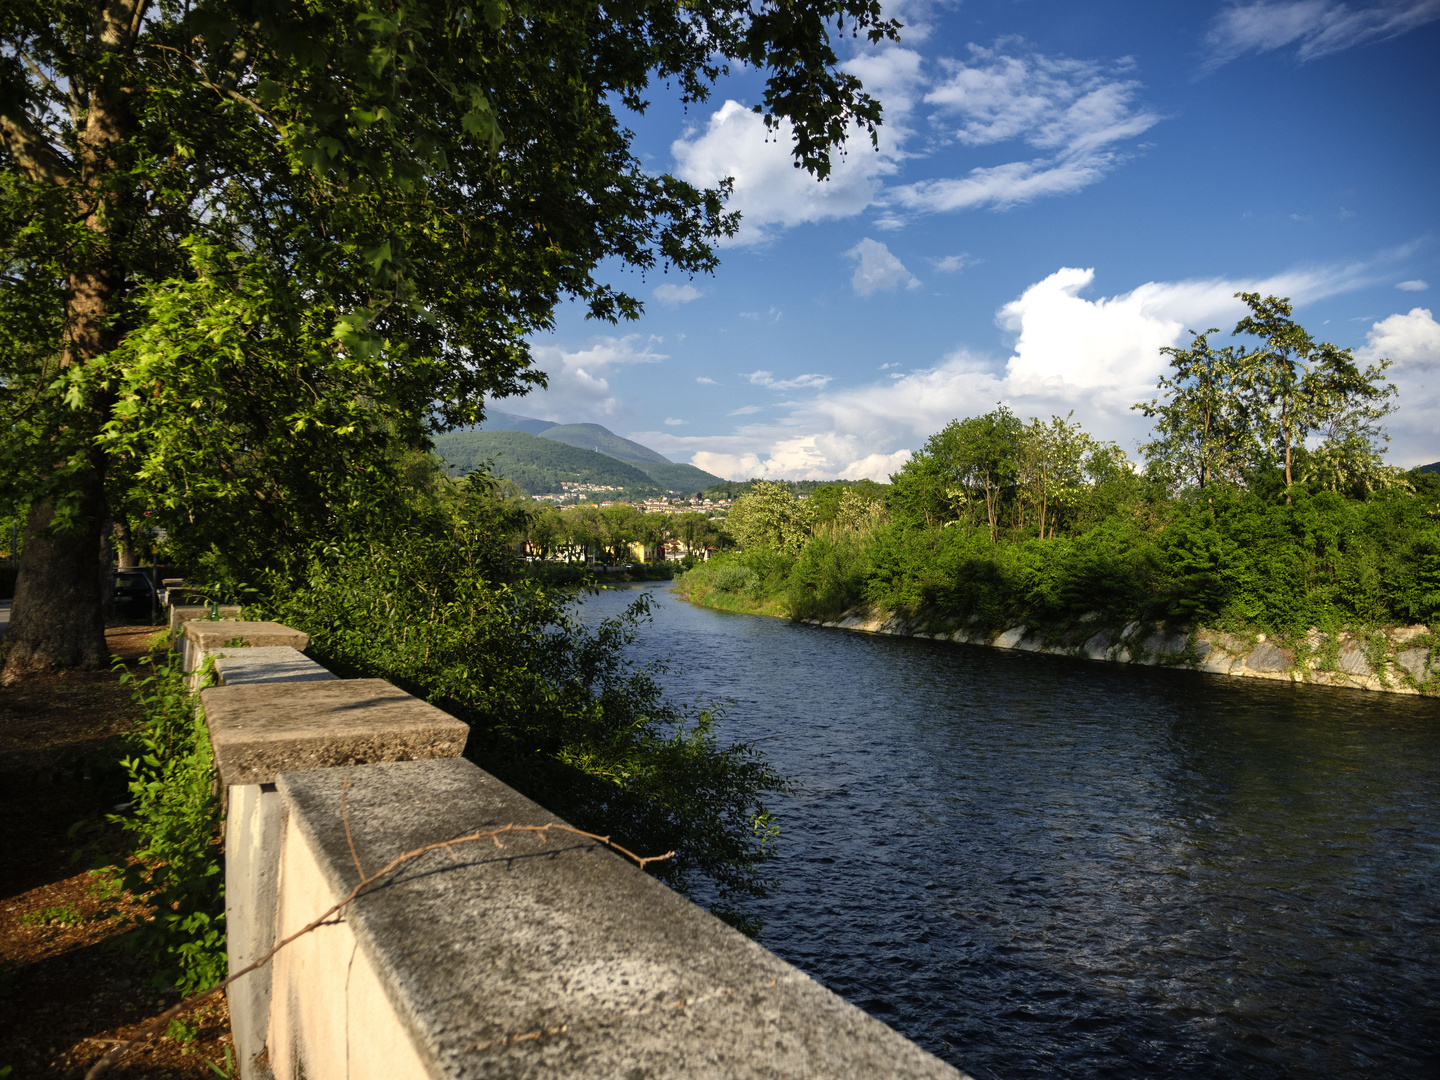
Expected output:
{"points": [[545, 957]]}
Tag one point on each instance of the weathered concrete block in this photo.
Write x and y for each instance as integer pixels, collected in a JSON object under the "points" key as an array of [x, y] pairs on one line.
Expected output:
{"points": [[1164, 645], [1403, 635], [200, 638], [262, 729], [1010, 638], [1231, 643], [180, 614], [1268, 657], [1098, 647], [553, 959], [266, 664], [1214, 660], [1351, 659], [1415, 661]]}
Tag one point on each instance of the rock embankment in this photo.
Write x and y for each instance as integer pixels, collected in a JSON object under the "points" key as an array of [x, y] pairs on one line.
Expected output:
{"points": [[1400, 660]]}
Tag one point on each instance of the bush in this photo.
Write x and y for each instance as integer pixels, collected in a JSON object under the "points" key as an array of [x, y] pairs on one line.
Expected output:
{"points": [[555, 708], [737, 579], [175, 819]]}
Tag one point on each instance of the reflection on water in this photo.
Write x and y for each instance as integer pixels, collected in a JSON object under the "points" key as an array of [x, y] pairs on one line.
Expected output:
{"points": [[1040, 867]]}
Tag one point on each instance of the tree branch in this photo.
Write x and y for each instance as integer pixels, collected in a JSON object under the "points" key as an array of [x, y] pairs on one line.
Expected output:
{"points": [[39, 160]]}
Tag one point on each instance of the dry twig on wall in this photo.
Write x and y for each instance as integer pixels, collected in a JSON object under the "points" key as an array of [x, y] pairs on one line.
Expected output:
{"points": [[333, 914]]}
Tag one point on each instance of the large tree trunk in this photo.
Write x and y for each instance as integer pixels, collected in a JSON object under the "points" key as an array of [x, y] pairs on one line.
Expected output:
{"points": [[125, 543], [56, 620], [58, 617]]}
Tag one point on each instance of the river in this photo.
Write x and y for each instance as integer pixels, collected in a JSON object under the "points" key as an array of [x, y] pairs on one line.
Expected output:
{"points": [[1037, 867]]}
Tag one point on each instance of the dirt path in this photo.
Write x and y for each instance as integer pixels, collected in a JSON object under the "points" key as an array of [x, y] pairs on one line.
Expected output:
{"points": [[67, 992]]}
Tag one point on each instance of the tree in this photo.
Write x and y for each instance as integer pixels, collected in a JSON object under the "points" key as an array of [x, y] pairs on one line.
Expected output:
{"points": [[1202, 430], [249, 245], [1295, 386], [1051, 466], [693, 529], [979, 459], [770, 517]]}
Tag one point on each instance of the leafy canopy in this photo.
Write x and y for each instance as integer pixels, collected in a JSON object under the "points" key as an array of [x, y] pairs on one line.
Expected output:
{"points": [[245, 245]]}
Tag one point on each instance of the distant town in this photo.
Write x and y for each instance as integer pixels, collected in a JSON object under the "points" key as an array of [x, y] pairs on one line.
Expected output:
{"points": [[677, 502]]}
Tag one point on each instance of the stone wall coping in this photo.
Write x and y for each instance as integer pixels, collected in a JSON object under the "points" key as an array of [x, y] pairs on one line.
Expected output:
{"points": [[180, 614], [558, 958], [258, 730], [266, 664], [210, 636]]}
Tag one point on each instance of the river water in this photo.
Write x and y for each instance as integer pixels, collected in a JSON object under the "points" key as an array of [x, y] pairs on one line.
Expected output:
{"points": [[1037, 867]]}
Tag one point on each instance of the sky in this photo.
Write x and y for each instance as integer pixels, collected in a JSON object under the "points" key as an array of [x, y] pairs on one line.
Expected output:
{"points": [[1060, 190]]}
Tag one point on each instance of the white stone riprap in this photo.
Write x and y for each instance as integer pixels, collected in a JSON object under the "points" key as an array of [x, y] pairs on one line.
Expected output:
{"points": [[1400, 660]]}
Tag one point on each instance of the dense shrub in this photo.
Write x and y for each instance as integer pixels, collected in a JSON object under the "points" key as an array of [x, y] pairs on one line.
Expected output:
{"points": [[174, 817], [1223, 556], [555, 708]]}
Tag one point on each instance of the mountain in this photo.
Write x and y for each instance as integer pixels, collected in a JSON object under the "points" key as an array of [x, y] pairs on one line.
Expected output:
{"points": [[505, 421], [603, 441], [661, 471], [536, 465], [1434, 466]]}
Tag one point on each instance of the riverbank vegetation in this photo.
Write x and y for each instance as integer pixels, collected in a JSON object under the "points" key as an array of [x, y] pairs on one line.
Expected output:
{"points": [[1261, 504], [424, 588]]}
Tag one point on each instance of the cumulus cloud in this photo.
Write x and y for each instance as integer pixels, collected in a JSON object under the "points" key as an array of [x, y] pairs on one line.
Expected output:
{"points": [[769, 191], [676, 294], [579, 389], [705, 380], [1070, 118], [1097, 356], [877, 270], [671, 421], [1412, 341], [1315, 27], [1414, 285]]}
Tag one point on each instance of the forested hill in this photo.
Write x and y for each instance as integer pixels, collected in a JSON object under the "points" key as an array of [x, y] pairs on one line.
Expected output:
{"points": [[667, 474], [604, 441], [537, 466]]}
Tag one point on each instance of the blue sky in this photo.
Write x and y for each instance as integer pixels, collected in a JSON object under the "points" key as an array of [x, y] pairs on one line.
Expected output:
{"points": [[1061, 189]]}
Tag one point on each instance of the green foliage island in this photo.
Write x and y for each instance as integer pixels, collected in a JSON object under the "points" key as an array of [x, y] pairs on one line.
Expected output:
{"points": [[1262, 506]]}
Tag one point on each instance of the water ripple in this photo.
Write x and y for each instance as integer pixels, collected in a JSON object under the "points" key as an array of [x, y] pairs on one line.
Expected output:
{"points": [[1043, 868]]}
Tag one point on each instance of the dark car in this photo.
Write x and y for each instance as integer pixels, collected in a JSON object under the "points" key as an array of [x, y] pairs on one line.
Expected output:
{"points": [[134, 595]]}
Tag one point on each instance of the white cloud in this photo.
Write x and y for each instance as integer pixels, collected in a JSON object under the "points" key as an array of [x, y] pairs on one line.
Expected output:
{"points": [[1412, 341], [1315, 27], [676, 294], [705, 380], [745, 410], [1096, 356], [1075, 111], [1414, 285], [769, 191], [877, 270], [1070, 115], [767, 379], [952, 264], [1409, 340], [579, 390], [671, 421]]}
